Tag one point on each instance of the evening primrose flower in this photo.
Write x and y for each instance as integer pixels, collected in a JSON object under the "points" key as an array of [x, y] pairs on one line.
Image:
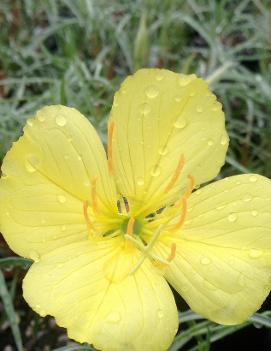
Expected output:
{"points": [[106, 233]]}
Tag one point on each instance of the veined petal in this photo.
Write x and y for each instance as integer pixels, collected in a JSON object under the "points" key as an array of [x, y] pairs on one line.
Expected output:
{"points": [[136, 312], [47, 175], [222, 266], [161, 119]]}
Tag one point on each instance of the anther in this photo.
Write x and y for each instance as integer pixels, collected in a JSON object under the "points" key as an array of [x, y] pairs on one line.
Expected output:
{"points": [[119, 206], [111, 127], [87, 219], [176, 174], [94, 196], [126, 204], [130, 226], [172, 252], [183, 213]]}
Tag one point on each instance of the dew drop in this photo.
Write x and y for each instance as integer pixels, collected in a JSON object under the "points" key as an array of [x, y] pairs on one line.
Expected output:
{"points": [[63, 228], [253, 179], [34, 255], [43, 221], [163, 151], [61, 121], [224, 140], [140, 181], [215, 108], [29, 123], [254, 253], [247, 198], [160, 314], [31, 162], [180, 124], [113, 317], [151, 92], [192, 94], [177, 98], [159, 77], [210, 142], [232, 217], [199, 109], [66, 157], [41, 118], [61, 198], [185, 80], [145, 109], [155, 171], [205, 261], [254, 213]]}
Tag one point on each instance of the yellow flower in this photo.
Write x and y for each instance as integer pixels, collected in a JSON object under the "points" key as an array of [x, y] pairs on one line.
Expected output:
{"points": [[107, 233]]}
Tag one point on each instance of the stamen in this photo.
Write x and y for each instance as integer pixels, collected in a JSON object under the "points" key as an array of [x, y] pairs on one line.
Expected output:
{"points": [[119, 206], [94, 196], [183, 213], [111, 127], [87, 219], [190, 186], [172, 252], [126, 204], [130, 226], [176, 174]]}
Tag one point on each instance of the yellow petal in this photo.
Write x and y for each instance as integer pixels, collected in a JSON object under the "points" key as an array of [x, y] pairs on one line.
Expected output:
{"points": [[135, 313], [47, 176], [159, 117], [223, 262]]}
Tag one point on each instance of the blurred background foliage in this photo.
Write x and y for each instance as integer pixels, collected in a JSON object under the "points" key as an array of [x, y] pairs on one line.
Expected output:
{"points": [[77, 52]]}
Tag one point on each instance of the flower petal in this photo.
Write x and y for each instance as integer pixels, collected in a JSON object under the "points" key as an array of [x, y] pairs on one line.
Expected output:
{"points": [[223, 262], [47, 176], [159, 118], [137, 312]]}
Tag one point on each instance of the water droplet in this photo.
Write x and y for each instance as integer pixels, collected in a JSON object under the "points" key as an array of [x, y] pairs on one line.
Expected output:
{"points": [[115, 103], [254, 213], [199, 109], [177, 98], [41, 118], [42, 313], [155, 171], [113, 317], [151, 92], [145, 109], [61, 121], [34, 255], [192, 94], [159, 77], [232, 217], [180, 123], [163, 151], [215, 108], [29, 123], [210, 142], [205, 261], [253, 179], [160, 314], [247, 198], [140, 181], [43, 221], [254, 253], [198, 192], [66, 157], [61, 198], [63, 228], [31, 162], [184, 80], [224, 140]]}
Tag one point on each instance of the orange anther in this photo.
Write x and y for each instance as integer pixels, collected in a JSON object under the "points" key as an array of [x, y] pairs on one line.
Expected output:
{"points": [[111, 127], [190, 186], [87, 219], [130, 226], [176, 174], [172, 252], [94, 195], [182, 217]]}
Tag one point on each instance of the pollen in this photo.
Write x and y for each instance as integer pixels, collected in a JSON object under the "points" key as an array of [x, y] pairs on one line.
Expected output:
{"points": [[176, 174], [111, 127]]}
